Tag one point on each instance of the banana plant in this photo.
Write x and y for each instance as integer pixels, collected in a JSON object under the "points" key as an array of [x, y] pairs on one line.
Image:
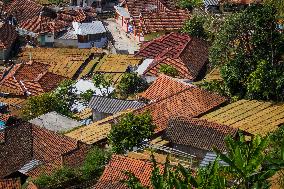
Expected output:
{"points": [[248, 162]]}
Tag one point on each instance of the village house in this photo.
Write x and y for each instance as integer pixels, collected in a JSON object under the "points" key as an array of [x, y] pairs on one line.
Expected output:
{"points": [[113, 172], [90, 34], [188, 55], [103, 106], [29, 78], [188, 101], [147, 19], [28, 151], [197, 137], [8, 36]]}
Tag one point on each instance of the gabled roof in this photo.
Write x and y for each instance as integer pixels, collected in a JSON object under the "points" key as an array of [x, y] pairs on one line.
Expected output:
{"points": [[113, 172], [95, 27], [163, 87], [188, 56], [43, 24], [112, 105], [55, 122], [155, 47], [8, 35], [24, 142], [153, 16], [251, 116], [10, 184], [190, 102], [23, 9], [198, 133], [30, 78]]}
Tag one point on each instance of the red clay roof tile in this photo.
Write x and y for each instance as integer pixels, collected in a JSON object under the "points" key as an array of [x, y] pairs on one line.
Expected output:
{"points": [[164, 86], [188, 56], [198, 133], [10, 184], [190, 102], [113, 172], [8, 35]]}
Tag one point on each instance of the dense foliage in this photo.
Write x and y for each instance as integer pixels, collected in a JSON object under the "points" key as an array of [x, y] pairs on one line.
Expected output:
{"points": [[130, 84], [59, 100], [168, 70], [248, 49], [66, 177], [189, 4], [130, 132], [86, 96], [249, 166], [103, 83], [195, 27]]}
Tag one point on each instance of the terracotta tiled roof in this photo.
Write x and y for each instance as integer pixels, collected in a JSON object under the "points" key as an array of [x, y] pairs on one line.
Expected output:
{"points": [[32, 78], [187, 103], [43, 24], [164, 86], [198, 133], [251, 116], [157, 46], [188, 56], [10, 184], [5, 117], [24, 142], [23, 9], [8, 35], [113, 172], [155, 15]]}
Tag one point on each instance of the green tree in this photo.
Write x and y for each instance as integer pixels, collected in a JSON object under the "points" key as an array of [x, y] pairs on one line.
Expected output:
{"points": [[94, 163], [180, 177], [65, 177], [244, 41], [59, 100], [130, 84], [278, 5], [247, 162], [87, 95], [195, 27], [131, 131], [249, 166], [168, 70], [189, 4], [103, 83]]}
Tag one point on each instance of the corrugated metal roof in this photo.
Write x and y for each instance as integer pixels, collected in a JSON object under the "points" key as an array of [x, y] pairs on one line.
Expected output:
{"points": [[95, 27], [210, 158], [29, 166], [112, 105]]}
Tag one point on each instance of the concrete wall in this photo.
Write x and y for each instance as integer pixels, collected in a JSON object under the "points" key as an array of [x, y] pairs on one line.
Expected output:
{"points": [[99, 44], [66, 43]]}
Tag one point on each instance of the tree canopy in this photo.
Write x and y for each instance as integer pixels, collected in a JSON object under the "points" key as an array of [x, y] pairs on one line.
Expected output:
{"points": [[169, 70], [131, 131], [248, 49], [130, 84], [59, 100], [249, 166]]}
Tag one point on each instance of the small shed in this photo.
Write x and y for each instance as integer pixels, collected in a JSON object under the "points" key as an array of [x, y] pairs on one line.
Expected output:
{"points": [[92, 34]]}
